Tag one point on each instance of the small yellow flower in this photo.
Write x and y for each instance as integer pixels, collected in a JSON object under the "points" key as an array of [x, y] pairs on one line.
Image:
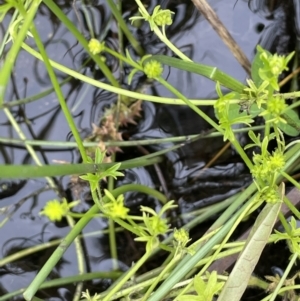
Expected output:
{"points": [[95, 46], [163, 17], [115, 207], [276, 105], [56, 210], [153, 69], [277, 160], [181, 236]]}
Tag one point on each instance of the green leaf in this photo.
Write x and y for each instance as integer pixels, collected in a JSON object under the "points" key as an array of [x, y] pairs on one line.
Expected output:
{"points": [[99, 156], [187, 298], [238, 280], [292, 127], [256, 65], [210, 72]]}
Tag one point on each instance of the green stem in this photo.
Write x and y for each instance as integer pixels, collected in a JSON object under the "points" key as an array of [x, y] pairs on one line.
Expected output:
{"points": [[161, 36], [80, 38], [130, 143], [290, 179], [11, 57], [160, 277], [133, 42], [59, 94], [242, 153], [130, 274], [66, 242], [113, 89], [189, 103], [284, 276]]}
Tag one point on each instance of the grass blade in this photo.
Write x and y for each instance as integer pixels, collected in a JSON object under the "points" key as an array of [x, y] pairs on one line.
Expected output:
{"points": [[212, 73], [258, 237]]}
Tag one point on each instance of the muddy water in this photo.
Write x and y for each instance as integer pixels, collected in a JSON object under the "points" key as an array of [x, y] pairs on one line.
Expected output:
{"points": [[191, 187]]}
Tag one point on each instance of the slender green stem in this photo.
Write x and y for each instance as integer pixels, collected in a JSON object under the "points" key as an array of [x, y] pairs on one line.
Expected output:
{"points": [[59, 282], [130, 143], [29, 148], [80, 38], [161, 36], [130, 274], [290, 179], [284, 276], [66, 242], [132, 40], [292, 207], [110, 88], [166, 270], [9, 62], [80, 259], [59, 94], [242, 153], [189, 103]]}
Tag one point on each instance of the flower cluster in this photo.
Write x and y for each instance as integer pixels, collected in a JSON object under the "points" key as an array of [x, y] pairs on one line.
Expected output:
{"points": [[159, 17], [56, 210], [270, 195], [162, 17], [155, 225], [153, 69], [274, 65], [95, 46], [275, 107], [115, 208], [267, 166]]}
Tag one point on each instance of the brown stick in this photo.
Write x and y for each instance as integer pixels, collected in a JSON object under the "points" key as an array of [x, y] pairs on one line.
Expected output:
{"points": [[224, 34]]}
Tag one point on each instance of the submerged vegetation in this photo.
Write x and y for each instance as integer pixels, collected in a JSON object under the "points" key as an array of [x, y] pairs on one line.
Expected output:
{"points": [[183, 273]]}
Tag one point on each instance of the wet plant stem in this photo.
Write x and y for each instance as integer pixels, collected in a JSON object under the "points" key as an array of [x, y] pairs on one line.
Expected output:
{"points": [[292, 261], [129, 275], [290, 179], [235, 143], [162, 36], [81, 39], [66, 242], [189, 103], [59, 94], [121, 23], [11, 56]]}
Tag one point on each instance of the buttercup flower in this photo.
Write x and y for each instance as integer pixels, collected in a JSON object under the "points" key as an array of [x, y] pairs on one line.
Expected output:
{"points": [[95, 46], [56, 210], [163, 17], [153, 69]]}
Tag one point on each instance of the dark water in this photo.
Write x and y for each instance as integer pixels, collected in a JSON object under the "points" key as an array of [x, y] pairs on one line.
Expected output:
{"points": [[264, 23]]}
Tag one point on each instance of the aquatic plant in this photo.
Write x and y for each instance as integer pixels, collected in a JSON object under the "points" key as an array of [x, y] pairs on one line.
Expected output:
{"points": [[183, 275]]}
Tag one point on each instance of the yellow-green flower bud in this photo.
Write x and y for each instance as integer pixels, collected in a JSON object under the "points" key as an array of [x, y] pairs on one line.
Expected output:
{"points": [[181, 236], [271, 196], [276, 105], [56, 210], [163, 18], [153, 69], [277, 160], [95, 46]]}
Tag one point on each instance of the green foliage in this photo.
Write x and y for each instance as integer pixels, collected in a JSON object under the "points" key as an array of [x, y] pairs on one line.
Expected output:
{"points": [[159, 17], [115, 207], [155, 225], [55, 210], [239, 107], [205, 290], [228, 117], [272, 66], [292, 236], [94, 179]]}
